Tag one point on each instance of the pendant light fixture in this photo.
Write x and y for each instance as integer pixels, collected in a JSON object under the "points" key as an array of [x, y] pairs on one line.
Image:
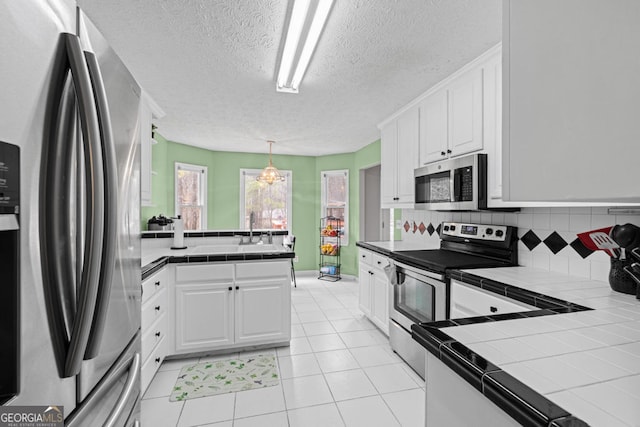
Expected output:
{"points": [[270, 174]]}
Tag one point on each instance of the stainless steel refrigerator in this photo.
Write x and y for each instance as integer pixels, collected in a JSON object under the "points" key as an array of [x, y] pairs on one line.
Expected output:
{"points": [[72, 108]]}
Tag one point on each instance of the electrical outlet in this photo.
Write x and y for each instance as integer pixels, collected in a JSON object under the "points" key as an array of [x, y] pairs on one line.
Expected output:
{"points": [[398, 224], [295, 259]]}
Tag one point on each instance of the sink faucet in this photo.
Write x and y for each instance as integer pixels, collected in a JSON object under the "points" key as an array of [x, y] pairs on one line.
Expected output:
{"points": [[252, 219]]}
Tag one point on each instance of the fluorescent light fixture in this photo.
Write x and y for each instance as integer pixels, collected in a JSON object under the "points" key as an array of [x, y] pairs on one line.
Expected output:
{"points": [[303, 26]]}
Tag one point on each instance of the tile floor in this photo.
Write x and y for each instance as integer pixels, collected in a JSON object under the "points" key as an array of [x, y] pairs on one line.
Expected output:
{"points": [[338, 371]]}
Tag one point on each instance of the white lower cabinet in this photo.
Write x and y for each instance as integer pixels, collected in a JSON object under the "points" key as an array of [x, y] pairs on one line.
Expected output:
{"points": [[203, 316], [154, 325], [374, 288], [446, 391], [240, 304], [470, 301], [263, 312]]}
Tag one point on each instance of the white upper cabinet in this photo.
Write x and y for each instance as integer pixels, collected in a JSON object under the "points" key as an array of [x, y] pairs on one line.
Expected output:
{"points": [[571, 100], [451, 117], [492, 125], [465, 113], [399, 157], [434, 139]]}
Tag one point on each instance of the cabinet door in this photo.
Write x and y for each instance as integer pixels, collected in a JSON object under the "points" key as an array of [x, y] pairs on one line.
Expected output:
{"points": [[465, 113], [492, 129], [263, 311], [571, 101], [388, 163], [203, 316], [433, 128], [364, 291], [380, 300], [407, 154]]}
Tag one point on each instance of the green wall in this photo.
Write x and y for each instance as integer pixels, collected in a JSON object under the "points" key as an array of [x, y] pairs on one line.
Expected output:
{"points": [[224, 191]]}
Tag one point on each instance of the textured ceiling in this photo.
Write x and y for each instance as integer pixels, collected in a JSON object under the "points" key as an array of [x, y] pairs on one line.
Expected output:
{"points": [[211, 66]]}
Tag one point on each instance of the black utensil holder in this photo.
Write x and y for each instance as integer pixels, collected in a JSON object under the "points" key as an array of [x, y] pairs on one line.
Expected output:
{"points": [[619, 280]]}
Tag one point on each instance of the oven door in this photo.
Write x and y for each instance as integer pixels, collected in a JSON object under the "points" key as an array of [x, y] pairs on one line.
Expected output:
{"points": [[419, 296]]}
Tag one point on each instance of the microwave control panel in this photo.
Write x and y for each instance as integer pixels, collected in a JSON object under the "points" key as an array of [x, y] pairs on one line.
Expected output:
{"points": [[493, 233]]}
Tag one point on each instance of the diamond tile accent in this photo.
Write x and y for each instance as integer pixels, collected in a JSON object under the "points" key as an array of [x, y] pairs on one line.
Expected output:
{"points": [[582, 250], [439, 228], [555, 242], [406, 226], [415, 227], [531, 240], [430, 229], [422, 228]]}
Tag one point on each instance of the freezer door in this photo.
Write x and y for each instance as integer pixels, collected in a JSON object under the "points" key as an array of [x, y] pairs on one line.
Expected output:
{"points": [[29, 42], [117, 316]]}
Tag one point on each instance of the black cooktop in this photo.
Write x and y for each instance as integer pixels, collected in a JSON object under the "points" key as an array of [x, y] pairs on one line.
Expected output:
{"points": [[440, 260]]}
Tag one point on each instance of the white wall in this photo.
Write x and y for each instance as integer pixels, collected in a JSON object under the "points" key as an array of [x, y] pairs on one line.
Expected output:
{"points": [[567, 222]]}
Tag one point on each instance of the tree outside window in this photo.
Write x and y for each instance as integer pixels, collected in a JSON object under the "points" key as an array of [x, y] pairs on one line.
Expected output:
{"points": [[191, 195], [270, 204], [335, 199]]}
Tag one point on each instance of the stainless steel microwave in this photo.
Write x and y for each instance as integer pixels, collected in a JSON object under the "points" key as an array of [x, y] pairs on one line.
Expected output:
{"points": [[458, 184]]}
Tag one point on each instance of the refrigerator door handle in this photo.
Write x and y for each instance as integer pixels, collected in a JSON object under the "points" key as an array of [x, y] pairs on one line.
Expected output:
{"points": [[109, 243], [88, 289], [128, 363], [130, 391], [67, 307]]}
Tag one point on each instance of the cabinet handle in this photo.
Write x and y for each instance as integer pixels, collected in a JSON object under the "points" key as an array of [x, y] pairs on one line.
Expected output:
{"points": [[157, 360], [363, 256], [493, 309], [379, 262], [158, 334], [157, 283], [442, 153], [157, 308], [448, 151], [237, 287], [230, 288], [396, 198]]}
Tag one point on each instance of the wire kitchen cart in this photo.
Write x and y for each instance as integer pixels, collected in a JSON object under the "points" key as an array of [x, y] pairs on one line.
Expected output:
{"points": [[331, 229]]}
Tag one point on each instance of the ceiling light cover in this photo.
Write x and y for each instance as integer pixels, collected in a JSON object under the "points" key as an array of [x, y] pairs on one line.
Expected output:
{"points": [[307, 20], [270, 174]]}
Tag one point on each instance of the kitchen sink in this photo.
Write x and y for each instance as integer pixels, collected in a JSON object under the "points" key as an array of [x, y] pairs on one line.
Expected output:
{"points": [[215, 249], [261, 248]]}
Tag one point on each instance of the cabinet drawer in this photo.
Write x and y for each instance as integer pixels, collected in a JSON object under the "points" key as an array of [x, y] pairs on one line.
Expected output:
{"points": [[262, 270], [379, 261], [364, 257], [153, 309], [152, 336], [468, 301], [153, 284], [152, 364], [204, 272]]}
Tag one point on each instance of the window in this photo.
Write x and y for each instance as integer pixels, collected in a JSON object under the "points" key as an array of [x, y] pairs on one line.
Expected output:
{"points": [[270, 204], [335, 199], [191, 195]]}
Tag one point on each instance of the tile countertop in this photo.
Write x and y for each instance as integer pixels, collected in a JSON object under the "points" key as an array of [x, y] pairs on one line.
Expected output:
{"points": [[154, 258], [389, 246], [587, 362]]}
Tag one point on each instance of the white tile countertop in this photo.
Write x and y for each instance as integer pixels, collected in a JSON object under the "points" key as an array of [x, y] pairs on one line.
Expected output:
{"points": [[587, 362], [395, 246]]}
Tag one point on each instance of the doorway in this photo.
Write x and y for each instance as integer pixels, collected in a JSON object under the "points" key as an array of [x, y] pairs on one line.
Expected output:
{"points": [[374, 221]]}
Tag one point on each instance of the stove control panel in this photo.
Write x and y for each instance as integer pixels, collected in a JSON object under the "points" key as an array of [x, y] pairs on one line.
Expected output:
{"points": [[494, 233]]}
